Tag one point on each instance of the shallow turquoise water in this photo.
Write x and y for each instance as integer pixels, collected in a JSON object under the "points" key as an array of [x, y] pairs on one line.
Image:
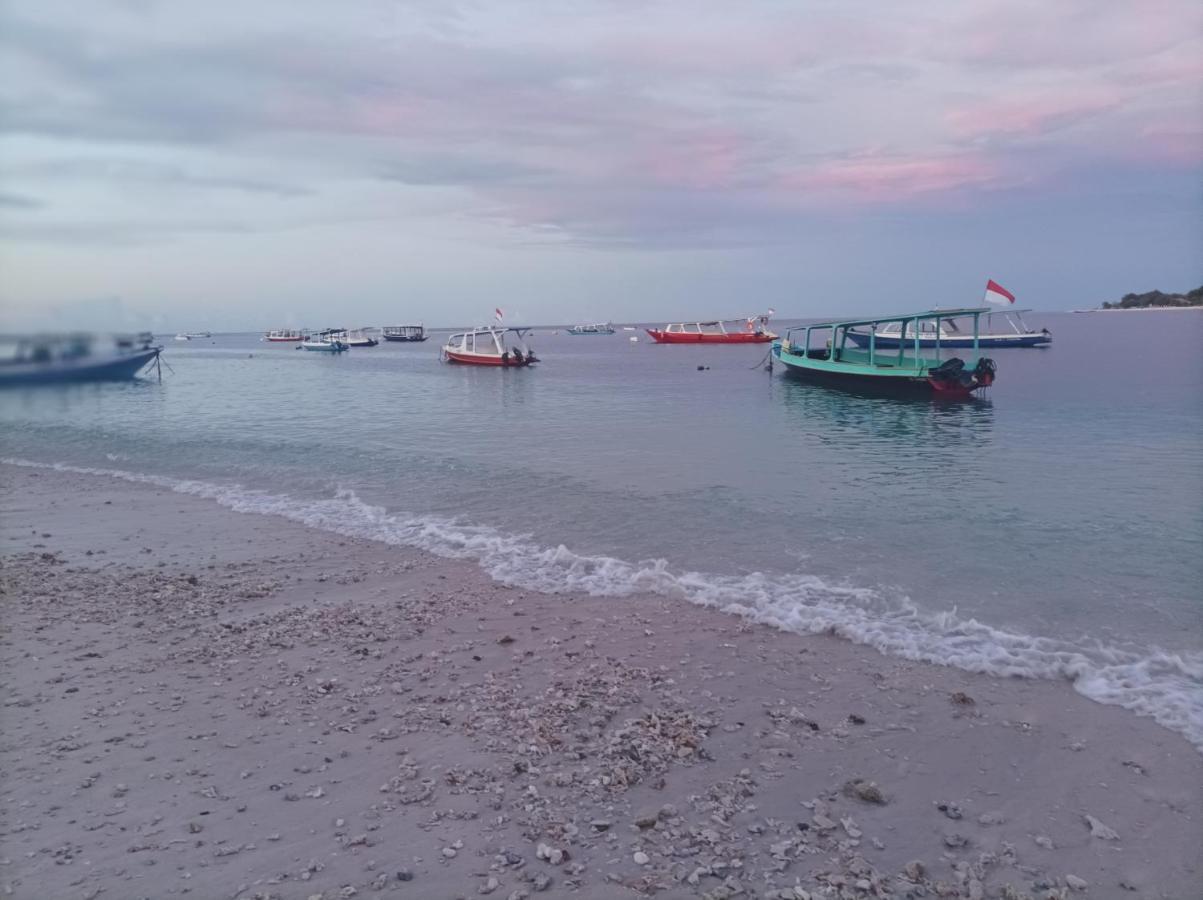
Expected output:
{"points": [[1053, 528]]}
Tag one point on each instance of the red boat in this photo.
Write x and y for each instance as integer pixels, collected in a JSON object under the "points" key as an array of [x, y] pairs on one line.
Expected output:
{"points": [[488, 346], [752, 330]]}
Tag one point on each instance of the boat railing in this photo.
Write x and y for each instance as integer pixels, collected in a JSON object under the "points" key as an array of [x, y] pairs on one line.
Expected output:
{"points": [[836, 348]]}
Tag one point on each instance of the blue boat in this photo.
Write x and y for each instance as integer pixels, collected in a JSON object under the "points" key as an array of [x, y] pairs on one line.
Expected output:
{"points": [[946, 333], [71, 360]]}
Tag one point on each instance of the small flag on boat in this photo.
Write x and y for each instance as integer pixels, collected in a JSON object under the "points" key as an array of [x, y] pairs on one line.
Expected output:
{"points": [[499, 315], [996, 293]]}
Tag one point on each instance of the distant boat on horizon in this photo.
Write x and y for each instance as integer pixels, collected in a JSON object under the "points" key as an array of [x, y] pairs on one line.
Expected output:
{"points": [[597, 328], [407, 334], [752, 330]]}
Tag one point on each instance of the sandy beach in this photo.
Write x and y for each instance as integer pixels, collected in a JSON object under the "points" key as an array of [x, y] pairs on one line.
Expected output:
{"points": [[208, 704]]}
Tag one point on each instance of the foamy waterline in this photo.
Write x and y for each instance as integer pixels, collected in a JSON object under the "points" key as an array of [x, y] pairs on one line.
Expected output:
{"points": [[1163, 685]]}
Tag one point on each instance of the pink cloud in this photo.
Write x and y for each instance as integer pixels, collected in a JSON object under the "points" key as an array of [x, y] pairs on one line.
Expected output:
{"points": [[885, 179], [1067, 33], [1028, 116]]}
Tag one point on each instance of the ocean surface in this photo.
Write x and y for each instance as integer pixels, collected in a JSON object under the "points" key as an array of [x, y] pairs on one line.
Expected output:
{"points": [[1052, 529]]}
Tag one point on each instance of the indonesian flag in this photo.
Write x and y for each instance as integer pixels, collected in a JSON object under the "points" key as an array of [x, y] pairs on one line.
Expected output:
{"points": [[996, 293], [499, 315]]}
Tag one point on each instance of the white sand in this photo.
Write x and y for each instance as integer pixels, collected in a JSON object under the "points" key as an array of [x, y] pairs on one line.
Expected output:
{"points": [[218, 705]]}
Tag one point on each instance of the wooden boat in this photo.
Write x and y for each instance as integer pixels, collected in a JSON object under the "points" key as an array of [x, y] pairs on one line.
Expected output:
{"points": [[72, 360], [752, 330], [822, 353], [323, 345], [949, 334], [404, 333], [489, 346], [599, 328], [284, 335]]}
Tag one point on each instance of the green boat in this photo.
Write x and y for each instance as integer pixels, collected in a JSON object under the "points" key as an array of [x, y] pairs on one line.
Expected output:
{"points": [[825, 352]]}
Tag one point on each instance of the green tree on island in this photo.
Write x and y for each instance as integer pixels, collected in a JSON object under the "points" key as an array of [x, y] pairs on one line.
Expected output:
{"points": [[1157, 298]]}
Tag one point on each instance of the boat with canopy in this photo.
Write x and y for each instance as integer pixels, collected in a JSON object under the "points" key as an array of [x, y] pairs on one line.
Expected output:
{"points": [[354, 337], [404, 333], [752, 330], [598, 328], [325, 343], [490, 346], [821, 352], [73, 359], [284, 335], [948, 333]]}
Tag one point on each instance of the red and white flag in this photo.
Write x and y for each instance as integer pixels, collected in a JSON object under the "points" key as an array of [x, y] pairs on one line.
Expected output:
{"points": [[996, 293], [499, 315]]}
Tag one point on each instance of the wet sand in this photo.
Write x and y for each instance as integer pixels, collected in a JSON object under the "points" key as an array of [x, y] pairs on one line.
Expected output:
{"points": [[207, 704]]}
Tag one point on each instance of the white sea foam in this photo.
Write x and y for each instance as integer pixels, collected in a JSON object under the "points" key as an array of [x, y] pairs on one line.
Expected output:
{"points": [[1164, 685]]}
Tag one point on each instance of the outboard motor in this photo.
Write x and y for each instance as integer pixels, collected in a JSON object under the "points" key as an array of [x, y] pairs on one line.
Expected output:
{"points": [[949, 370], [983, 372]]}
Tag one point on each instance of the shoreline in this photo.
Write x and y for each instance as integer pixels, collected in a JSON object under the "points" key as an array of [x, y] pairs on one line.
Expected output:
{"points": [[1143, 309], [249, 703]]}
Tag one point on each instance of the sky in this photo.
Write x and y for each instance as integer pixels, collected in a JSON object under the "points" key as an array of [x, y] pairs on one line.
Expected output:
{"points": [[233, 166]]}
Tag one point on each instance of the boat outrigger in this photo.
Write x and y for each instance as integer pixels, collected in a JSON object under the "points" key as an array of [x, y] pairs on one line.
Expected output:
{"points": [[489, 346], [949, 334], [404, 333], [50, 359], [599, 328], [752, 330], [898, 371]]}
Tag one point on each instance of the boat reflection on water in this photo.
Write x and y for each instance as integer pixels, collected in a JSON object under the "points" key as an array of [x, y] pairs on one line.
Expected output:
{"points": [[915, 432]]}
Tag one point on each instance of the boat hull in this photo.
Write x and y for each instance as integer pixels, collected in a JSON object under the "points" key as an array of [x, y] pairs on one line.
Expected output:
{"points": [[285, 340], [396, 338], [985, 341], [736, 337], [116, 368], [485, 359], [892, 385], [325, 348]]}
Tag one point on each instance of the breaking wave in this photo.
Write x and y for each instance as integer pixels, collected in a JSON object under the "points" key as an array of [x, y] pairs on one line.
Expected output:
{"points": [[1164, 685]]}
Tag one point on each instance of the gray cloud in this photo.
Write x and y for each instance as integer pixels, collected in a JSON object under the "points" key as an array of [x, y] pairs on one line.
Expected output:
{"points": [[717, 129]]}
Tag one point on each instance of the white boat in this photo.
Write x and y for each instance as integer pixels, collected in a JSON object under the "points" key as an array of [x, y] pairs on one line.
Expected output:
{"points": [[489, 346], [197, 334], [946, 333], [598, 328], [324, 345], [182, 337], [353, 337]]}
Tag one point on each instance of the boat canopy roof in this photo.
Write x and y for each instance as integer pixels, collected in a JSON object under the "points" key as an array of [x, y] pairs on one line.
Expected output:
{"points": [[750, 318], [493, 329], [904, 317]]}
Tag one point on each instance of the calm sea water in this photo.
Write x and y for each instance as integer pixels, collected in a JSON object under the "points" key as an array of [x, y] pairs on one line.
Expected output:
{"points": [[1052, 529]]}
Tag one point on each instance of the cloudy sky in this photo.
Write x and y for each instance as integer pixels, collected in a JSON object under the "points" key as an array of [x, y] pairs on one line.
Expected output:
{"points": [[248, 165]]}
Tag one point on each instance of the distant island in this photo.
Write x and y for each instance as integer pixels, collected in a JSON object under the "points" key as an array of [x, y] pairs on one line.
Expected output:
{"points": [[1157, 298]]}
